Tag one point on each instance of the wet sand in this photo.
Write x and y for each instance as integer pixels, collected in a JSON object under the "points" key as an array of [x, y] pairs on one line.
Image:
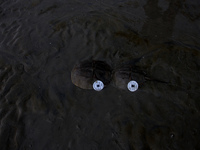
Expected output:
{"points": [[41, 41]]}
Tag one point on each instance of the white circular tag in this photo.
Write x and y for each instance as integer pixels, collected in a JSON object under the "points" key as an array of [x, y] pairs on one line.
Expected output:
{"points": [[132, 86], [98, 85]]}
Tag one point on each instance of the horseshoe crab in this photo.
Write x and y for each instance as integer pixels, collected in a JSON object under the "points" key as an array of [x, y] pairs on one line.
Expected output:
{"points": [[126, 73], [85, 73], [129, 71]]}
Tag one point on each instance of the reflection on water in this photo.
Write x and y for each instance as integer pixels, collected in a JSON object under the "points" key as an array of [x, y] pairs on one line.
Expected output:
{"points": [[41, 41]]}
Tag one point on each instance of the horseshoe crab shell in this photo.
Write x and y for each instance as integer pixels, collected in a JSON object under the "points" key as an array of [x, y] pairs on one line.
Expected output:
{"points": [[85, 73], [125, 73]]}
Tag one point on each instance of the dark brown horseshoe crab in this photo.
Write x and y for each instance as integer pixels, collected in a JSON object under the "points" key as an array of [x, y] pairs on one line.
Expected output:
{"points": [[85, 73], [129, 71]]}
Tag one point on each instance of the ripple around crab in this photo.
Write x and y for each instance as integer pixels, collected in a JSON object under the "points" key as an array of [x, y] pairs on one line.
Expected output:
{"points": [[85, 73]]}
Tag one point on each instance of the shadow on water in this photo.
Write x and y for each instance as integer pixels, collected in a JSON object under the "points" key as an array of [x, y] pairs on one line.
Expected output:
{"points": [[41, 41]]}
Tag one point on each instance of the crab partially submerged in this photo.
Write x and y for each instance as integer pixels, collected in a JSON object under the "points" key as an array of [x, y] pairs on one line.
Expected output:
{"points": [[128, 72], [85, 73]]}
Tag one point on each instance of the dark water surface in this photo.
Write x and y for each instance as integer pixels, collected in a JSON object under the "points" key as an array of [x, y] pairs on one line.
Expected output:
{"points": [[41, 41]]}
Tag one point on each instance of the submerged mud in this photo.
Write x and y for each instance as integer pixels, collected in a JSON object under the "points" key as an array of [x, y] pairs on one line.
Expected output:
{"points": [[41, 41]]}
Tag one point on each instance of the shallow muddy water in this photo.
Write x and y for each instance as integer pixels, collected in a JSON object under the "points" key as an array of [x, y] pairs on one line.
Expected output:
{"points": [[42, 40]]}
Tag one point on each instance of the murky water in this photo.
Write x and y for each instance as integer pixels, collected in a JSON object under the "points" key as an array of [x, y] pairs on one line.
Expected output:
{"points": [[42, 40]]}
